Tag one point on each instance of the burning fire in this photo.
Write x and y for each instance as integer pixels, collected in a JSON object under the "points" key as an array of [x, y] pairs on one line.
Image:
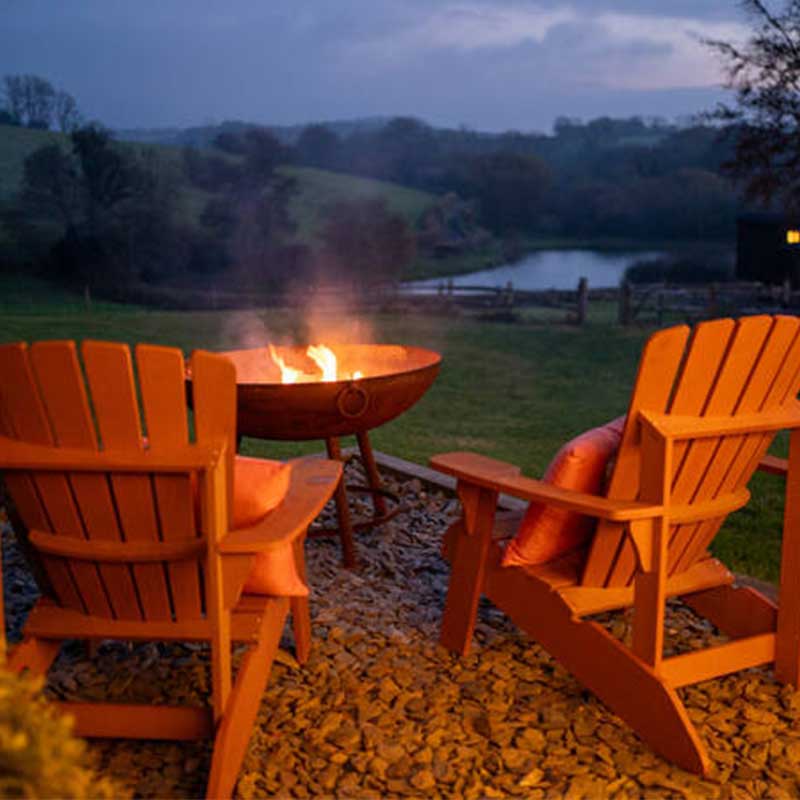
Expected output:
{"points": [[322, 356]]}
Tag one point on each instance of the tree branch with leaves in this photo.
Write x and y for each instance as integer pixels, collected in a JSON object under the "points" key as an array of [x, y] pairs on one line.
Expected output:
{"points": [[764, 121]]}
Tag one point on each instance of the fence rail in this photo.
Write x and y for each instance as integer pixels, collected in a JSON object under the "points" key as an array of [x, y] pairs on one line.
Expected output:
{"points": [[635, 302]]}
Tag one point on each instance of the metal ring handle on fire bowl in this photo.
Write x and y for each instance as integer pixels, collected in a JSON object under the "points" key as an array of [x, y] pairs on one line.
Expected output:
{"points": [[352, 401]]}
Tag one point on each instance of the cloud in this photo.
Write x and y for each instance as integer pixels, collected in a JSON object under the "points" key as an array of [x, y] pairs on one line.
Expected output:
{"points": [[579, 47], [487, 63]]}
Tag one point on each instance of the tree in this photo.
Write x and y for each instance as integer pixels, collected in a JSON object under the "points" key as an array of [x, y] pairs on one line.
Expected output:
{"points": [[30, 99], [318, 146], [263, 152], [764, 122], [65, 111], [51, 184], [510, 189], [109, 176], [364, 241], [229, 142], [114, 205]]}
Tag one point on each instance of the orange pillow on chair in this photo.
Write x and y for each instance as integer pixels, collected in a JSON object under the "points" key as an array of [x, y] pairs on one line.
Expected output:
{"points": [[259, 486], [547, 532]]}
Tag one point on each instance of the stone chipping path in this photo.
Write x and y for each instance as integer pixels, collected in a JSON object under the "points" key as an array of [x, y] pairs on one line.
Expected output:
{"points": [[381, 712]]}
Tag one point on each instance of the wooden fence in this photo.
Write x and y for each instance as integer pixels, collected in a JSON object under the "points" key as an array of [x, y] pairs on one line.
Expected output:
{"points": [[636, 303]]}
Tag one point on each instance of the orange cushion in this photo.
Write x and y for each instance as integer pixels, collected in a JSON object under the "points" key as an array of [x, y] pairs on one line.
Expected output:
{"points": [[258, 487], [547, 532], [275, 573]]}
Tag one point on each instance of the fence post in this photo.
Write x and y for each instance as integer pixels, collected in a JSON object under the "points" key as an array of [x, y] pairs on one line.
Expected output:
{"points": [[87, 297], [583, 300], [786, 299], [510, 294], [624, 311], [713, 300]]}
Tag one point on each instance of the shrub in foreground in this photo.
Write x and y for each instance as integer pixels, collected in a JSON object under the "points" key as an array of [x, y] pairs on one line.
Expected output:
{"points": [[39, 756]]}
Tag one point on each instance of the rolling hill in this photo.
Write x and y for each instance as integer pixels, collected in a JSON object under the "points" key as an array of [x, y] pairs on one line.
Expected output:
{"points": [[316, 189]]}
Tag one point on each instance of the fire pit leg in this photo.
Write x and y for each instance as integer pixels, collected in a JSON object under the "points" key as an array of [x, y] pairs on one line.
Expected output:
{"points": [[342, 509], [373, 476]]}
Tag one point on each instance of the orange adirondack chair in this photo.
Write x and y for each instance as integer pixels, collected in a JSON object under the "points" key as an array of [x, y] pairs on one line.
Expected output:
{"points": [[113, 528], [703, 412]]}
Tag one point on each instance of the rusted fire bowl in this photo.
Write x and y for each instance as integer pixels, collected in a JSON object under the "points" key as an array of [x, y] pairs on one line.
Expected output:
{"points": [[393, 378]]}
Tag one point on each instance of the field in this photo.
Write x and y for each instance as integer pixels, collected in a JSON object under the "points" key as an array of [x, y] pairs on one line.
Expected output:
{"points": [[514, 392]]}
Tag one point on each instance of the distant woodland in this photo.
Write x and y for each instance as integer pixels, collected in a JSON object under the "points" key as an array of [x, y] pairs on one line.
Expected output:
{"points": [[116, 212]]}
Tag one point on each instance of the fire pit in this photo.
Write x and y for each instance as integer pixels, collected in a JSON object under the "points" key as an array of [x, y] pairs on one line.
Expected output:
{"points": [[297, 393]]}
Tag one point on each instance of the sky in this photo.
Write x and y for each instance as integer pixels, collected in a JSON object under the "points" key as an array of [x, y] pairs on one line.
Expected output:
{"points": [[486, 64]]}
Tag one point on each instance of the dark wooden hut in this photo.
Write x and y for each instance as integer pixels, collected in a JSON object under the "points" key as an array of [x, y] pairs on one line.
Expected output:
{"points": [[768, 248]]}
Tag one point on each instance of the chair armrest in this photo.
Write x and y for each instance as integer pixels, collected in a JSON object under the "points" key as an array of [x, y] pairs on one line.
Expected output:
{"points": [[774, 465], [311, 484], [501, 477], [18, 455]]}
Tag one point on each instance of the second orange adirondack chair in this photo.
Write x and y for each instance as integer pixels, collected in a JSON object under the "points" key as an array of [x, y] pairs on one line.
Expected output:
{"points": [[703, 412], [113, 525]]}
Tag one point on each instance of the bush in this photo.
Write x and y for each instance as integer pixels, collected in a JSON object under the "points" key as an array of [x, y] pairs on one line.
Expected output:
{"points": [[678, 270], [39, 756]]}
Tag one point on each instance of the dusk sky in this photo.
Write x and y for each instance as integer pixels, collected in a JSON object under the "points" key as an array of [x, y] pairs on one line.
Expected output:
{"points": [[487, 64]]}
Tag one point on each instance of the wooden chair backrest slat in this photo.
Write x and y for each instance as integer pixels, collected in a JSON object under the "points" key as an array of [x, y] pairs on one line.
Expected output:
{"points": [[161, 379], [214, 401], [729, 368]]}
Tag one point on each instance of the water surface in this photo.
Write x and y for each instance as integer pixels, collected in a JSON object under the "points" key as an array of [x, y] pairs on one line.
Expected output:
{"points": [[552, 269]]}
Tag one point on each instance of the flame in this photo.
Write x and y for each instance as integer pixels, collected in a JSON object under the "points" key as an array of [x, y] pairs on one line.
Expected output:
{"points": [[322, 356], [325, 359], [288, 374]]}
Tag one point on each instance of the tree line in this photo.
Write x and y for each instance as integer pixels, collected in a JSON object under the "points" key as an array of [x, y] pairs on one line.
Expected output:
{"points": [[629, 178]]}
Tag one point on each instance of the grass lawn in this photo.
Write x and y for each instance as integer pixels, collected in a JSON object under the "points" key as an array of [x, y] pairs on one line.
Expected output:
{"points": [[515, 392]]}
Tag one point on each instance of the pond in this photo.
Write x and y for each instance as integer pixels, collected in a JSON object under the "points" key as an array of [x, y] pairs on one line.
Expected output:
{"points": [[552, 269]]}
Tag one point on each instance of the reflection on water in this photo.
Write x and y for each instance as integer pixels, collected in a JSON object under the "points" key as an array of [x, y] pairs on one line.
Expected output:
{"points": [[552, 269]]}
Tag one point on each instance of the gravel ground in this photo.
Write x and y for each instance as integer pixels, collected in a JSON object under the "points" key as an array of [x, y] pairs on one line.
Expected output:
{"points": [[381, 711]]}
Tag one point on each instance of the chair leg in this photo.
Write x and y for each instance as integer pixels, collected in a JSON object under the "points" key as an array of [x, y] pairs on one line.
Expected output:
{"points": [[34, 654], [787, 645], [301, 625], [301, 614], [233, 734], [468, 568]]}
